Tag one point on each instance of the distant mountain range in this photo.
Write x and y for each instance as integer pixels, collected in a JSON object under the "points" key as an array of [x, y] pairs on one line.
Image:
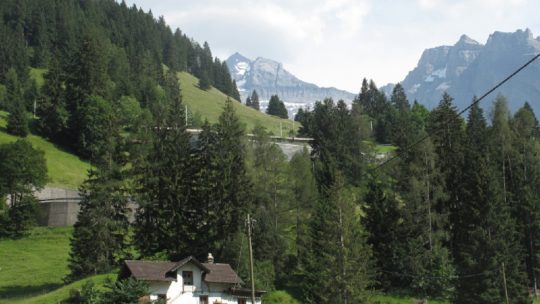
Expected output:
{"points": [[268, 77], [469, 68]]}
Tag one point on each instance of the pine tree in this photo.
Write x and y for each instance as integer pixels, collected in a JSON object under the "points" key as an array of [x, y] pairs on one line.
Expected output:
{"points": [[339, 263], [248, 101], [255, 101], [235, 94], [17, 122], [204, 82], [446, 131], [51, 109], [100, 236], [276, 107], [162, 179], [233, 187], [524, 186], [485, 237], [23, 171]]}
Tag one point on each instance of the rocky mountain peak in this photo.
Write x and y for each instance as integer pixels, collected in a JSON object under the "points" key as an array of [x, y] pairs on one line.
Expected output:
{"points": [[469, 68], [269, 77], [466, 40]]}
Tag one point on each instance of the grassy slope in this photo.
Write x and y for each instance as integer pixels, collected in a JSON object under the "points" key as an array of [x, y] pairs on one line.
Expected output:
{"points": [[34, 264], [62, 293], [64, 169], [209, 104]]}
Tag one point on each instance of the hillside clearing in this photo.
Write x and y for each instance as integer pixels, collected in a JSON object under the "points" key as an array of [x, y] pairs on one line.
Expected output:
{"points": [[209, 105], [65, 170]]}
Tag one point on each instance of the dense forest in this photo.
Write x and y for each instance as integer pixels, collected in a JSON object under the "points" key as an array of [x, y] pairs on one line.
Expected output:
{"points": [[456, 216]]}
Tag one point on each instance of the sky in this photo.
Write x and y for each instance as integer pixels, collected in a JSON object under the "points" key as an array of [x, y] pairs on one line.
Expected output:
{"points": [[339, 42]]}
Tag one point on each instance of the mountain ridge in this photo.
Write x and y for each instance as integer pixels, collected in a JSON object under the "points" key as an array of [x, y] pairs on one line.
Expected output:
{"points": [[268, 77], [469, 68]]}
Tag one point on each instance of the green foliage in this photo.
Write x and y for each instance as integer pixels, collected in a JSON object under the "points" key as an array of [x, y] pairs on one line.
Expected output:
{"points": [[98, 128], [64, 169], [255, 101], [279, 297], [100, 234], [204, 82], [17, 123], [339, 263], [124, 291], [276, 107], [23, 170]]}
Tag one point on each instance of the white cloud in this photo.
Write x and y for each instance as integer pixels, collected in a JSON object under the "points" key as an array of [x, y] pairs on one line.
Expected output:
{"points": [[338, 42]]}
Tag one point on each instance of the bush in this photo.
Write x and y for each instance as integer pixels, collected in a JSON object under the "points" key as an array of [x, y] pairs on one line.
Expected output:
{"points": [[279, 297]]}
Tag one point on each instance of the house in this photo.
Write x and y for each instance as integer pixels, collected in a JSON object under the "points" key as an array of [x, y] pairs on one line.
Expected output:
{"points": [[190, 282]]}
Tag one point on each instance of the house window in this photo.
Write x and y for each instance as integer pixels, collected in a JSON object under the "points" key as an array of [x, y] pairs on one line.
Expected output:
{"points": [[203, 300], [241, 301], [187, 276]]}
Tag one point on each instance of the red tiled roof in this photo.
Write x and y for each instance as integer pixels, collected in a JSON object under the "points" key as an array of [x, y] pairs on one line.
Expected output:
{"points": [[221, 273]]}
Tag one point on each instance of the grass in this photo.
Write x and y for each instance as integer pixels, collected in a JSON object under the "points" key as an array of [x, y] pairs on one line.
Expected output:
{"points": [[62, 293], [34, 264], [385, 148], [209, 104], [65, 170], [387, 299]]}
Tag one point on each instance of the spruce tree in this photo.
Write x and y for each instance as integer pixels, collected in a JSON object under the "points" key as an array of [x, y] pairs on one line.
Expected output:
{"points": [[23, 171], [485, 236], [255, 101], [100, 236], [162, 179], [524, 185], [339, 259], [276, 107], [233, 187], [17, 122], [445, 128]]}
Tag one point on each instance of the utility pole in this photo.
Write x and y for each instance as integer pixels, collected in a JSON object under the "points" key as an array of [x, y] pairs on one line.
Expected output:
{"points": [[504, 281], [251, 261], [185, 114]]}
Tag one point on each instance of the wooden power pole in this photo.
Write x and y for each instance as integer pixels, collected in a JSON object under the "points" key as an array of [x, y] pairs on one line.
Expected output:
{"points": [[504, 281], [251, 261]]}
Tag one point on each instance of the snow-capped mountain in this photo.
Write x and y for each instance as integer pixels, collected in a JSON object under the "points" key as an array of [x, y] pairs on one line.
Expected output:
{"points": [[268, 77], [469, 68]]}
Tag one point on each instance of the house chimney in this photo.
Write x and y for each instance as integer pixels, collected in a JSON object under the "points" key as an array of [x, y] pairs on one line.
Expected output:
{"points": [[210, 259]]}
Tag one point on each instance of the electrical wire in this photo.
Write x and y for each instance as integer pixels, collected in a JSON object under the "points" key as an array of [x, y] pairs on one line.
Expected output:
{"points": [[398, 155]]}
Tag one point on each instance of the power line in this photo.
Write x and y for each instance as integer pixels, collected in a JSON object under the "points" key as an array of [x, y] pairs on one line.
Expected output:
{"points": [[397, 155], [472, 275]]}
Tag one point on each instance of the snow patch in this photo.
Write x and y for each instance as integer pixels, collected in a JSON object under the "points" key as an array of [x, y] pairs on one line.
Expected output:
{"points": [[429, 78], [443, 86], [441, 73], [414, 88], [241, 68]]}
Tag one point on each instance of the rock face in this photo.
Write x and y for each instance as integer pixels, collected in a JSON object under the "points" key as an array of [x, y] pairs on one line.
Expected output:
{"points": [[469, 69], [268, 78]]}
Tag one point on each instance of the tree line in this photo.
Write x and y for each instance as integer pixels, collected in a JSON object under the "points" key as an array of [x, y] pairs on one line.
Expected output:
{"points": [[90, 49]]}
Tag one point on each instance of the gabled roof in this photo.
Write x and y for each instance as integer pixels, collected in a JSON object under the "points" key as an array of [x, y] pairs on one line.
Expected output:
{"points": [[187, 260], [221, 273], [166, 271], [148, 270]]}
